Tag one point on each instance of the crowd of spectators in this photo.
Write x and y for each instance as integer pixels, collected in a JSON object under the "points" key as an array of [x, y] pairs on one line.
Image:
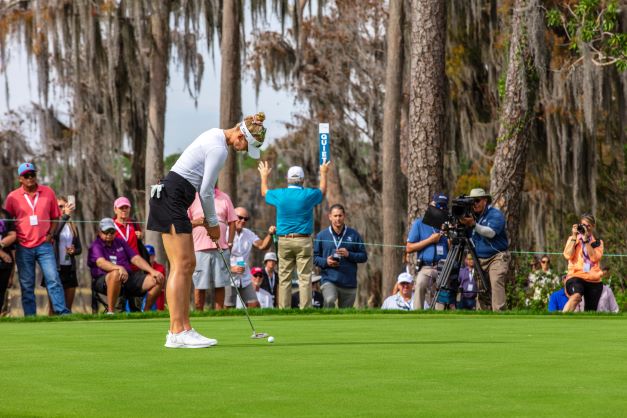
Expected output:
{"points": [[301, 271]]}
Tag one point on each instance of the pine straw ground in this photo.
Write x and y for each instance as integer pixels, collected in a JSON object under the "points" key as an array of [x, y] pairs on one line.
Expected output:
{"points": [[354, 363]]}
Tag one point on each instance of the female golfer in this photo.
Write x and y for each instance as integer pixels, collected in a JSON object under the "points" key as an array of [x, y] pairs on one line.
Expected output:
{"points": [[196, 170], [583, 252]]}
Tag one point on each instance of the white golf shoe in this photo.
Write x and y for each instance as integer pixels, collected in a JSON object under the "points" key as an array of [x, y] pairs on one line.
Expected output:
{"points": [[188, 339]]}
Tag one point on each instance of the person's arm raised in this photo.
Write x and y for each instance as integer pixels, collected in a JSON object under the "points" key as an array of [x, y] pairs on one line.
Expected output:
{"points": [[264, 171], [324, 169]]}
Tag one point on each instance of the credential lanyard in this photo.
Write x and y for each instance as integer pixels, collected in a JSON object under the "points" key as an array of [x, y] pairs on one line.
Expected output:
{"points": [[126, 237], [31, 204], [336, 242]]}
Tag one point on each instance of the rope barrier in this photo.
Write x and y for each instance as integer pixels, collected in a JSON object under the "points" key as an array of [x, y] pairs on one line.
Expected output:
{"points": [[367, 244]]}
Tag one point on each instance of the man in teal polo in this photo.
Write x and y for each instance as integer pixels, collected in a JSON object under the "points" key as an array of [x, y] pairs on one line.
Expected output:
{"points": [[294, 220]]}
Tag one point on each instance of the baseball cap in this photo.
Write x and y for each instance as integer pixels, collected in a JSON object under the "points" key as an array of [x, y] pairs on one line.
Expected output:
{"points": [[121, 201], [26, 168], [405, 277], [441, 200], [150, 249], [270, 256], [295, 172], [256, 270], [106, 224]]}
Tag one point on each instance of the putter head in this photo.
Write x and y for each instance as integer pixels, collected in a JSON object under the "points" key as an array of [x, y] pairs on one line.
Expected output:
{"points": [[259, 335]]}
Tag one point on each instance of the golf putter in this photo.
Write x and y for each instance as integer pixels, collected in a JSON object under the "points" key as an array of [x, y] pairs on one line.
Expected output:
{"points": [[256, 335]]}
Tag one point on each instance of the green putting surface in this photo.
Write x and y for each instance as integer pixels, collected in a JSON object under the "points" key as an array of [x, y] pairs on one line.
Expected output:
{"points": [[319, 365]]}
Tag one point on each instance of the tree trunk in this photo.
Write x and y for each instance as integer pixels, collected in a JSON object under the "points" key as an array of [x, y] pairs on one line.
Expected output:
{"points": [[230, 89], [516, 121], [159, 60], [390, 198], [427, 98]]}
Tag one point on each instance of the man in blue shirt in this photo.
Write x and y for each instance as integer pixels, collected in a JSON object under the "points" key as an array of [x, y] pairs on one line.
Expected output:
{"points": [[557, 300], [491, 244], [431, 246], [337, 250], [294, 223]]}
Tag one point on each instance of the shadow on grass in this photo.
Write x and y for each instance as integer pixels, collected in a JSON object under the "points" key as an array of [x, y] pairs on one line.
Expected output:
{"points": [[360, 343]]}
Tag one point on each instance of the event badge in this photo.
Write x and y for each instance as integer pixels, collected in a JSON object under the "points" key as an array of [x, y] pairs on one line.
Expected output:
{"points": [[439, 249], [470, 287], [33, 220], [113, 259], [586, 267]]}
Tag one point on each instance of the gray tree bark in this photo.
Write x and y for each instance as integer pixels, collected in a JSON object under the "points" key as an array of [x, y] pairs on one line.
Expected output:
{"points": [[158, 61], [516, 121], [390, 197], [230, 89], [427, 99]]}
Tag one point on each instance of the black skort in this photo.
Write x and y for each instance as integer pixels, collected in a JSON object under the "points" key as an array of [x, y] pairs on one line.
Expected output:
{"points": [[591, 291], [68, 277], [132, 287], [177, 195]]}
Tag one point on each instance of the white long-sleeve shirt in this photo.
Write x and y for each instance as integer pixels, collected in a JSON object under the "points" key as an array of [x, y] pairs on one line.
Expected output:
{"points": [[200, 164]]}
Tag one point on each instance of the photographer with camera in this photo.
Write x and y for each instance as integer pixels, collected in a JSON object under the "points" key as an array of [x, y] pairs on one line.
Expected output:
{"points": [[583, 252], [431, 246], [491, 244]]}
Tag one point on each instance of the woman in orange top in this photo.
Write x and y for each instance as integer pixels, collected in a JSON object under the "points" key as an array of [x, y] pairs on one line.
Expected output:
{"points": [[583, 252]]}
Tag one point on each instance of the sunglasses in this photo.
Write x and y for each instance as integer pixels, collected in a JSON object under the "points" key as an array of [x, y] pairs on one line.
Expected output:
{"points": [[30, 175], [109, 232], [258, 275], [243, 218]]}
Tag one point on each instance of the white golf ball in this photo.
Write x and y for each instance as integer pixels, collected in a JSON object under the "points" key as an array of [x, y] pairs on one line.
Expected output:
{"points": [[270, 339]]}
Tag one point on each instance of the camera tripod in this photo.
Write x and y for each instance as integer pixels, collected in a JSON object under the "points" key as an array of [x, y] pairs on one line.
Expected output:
{"points": [[450, 271]]}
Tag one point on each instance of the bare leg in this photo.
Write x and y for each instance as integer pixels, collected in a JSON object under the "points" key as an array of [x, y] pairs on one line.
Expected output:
{"points": [[114, 285], [180, 251], [153, 291], [199, 299], [69, 297], [219, 298]]}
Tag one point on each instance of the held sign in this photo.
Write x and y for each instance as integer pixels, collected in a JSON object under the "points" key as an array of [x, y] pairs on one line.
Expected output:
{"points": [[325, 147]]}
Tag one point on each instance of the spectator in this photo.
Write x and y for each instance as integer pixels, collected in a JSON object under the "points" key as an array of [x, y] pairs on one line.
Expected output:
{"points": [[430, 246], [491, 244], [210, 271], [583, 252], [404, 298], [67, 245], [266, 300], [541, 277], [196, 170], [243, 243], [129, 232], [607, 301], [467, 285], [558, 300], [7, 253], [294, 214], [160, 302], [270, 281], [110, 260], [317, 300], [337, 250], [35, 209]]}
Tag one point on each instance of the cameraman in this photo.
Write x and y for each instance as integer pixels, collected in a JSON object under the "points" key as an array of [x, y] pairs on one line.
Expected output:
{"points": [[583, 252], [431, 246], [490, 240]]}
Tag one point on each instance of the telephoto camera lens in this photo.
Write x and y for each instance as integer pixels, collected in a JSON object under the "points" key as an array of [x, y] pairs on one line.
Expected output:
{"points": [[581, 229]]}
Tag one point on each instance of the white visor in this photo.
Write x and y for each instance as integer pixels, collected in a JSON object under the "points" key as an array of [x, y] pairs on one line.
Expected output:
{"points": [[253, 144]]}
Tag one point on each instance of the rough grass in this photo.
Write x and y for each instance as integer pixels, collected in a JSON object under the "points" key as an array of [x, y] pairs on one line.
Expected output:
{"points": [[353, 364]]}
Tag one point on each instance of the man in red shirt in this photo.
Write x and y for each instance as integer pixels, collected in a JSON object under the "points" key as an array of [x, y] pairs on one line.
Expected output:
{"points": [[35, 209]]}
